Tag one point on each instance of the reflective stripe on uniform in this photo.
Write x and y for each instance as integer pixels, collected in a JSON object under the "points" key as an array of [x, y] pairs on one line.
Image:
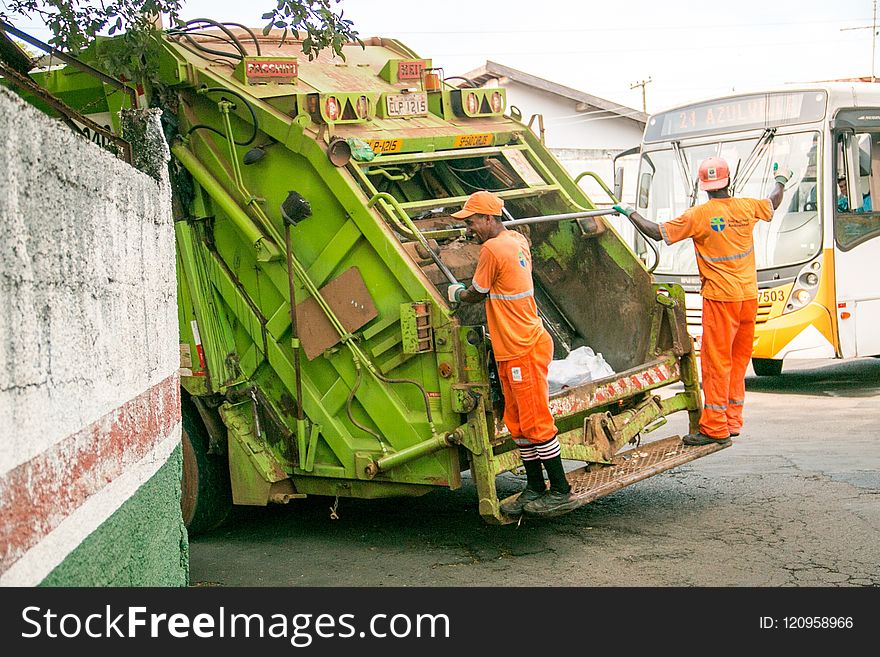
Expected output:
{"points": [[512, 297], [737, 256], [481, 290], [736, 402], [716, 407]]}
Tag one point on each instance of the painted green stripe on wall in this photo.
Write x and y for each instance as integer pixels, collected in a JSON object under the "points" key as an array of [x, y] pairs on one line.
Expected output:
{"points": [[144, 543]]}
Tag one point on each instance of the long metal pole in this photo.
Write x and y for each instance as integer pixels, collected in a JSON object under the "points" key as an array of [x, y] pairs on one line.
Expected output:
{"points": [[556, 217], [520, 222], [295, 343]]}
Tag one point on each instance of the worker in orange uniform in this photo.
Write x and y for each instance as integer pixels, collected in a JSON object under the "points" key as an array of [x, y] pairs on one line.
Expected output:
{"points": [[523, 350], [722, 232]]}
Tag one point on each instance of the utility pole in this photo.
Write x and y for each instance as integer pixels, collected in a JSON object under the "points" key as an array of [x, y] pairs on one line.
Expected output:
{"points": [[643, 83], [873, 37]]}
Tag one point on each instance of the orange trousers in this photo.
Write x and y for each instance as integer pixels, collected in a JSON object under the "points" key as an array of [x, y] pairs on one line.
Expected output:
{"points": [[728, 339], [524, 384]]}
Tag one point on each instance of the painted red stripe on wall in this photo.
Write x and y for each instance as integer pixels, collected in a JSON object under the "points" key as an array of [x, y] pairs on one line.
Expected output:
{"points": [[36, 496]]}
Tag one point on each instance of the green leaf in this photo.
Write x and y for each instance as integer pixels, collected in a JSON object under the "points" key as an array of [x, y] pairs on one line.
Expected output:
{"points": [[268, 15]]}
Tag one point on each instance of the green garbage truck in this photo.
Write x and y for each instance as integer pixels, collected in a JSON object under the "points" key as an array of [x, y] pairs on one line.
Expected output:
{"points": [[318, 352]]}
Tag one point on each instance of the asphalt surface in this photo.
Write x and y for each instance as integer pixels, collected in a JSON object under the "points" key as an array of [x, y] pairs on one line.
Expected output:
{"points": [[794, 502]]}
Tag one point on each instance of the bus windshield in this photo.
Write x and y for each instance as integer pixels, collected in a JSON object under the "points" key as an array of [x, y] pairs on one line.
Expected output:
{"points": [[668, 186]]}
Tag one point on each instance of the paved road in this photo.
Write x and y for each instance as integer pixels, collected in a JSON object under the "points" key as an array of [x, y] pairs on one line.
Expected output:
{"points": [[794, 502]]}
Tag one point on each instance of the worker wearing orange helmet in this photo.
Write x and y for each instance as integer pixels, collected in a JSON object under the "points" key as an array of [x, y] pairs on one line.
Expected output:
{"points": [[722, 233], [522, 348]]}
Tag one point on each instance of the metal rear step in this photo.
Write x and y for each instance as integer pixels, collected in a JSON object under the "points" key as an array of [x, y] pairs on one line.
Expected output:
{"points": [[594, 481]]}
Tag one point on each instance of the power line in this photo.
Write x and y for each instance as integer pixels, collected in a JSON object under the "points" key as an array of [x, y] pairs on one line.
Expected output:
{"points": [[873, 29], [628, 29], [701, 48]]}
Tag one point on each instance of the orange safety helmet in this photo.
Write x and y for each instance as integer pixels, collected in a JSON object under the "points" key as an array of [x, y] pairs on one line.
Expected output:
{"points": [[714, 174]]}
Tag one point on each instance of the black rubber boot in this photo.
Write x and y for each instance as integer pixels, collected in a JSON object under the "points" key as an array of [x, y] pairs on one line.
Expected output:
{"points": [[535, 487], [558, 499], [556, 474], [700, 438], [535, 475]]}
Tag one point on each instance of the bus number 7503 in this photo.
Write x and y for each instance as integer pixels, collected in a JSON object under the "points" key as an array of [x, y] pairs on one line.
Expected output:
{"points": [[771, 296]]}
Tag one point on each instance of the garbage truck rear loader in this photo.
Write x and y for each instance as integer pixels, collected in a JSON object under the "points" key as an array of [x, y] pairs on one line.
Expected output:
{"points": [[331, 182]]}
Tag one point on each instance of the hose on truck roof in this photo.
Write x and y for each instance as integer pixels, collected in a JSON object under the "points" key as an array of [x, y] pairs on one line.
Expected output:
{"points": [[202, 126], [189, 26]]}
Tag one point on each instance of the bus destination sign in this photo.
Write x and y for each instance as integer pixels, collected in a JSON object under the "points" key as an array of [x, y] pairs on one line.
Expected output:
{"points": [[737, 113]]}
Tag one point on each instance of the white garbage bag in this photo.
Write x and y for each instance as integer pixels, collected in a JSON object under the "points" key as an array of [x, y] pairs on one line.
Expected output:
{"points": [[582, 365]]}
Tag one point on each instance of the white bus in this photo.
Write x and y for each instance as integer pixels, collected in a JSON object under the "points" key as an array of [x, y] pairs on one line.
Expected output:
{"points": [[819, 259]]}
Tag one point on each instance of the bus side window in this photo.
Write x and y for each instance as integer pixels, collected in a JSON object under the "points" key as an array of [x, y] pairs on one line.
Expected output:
{"points": [[874, 173], [644, 189], [857, 222]]}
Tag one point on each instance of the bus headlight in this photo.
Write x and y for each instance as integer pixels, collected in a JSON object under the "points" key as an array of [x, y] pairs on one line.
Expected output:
{"points": [[805, 287]]}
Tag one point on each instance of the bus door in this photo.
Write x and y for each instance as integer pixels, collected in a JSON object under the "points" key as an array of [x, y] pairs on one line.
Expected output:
{"points": [[856, 187]]}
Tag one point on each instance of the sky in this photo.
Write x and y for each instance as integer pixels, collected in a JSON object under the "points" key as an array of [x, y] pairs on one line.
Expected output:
{"points": [[688, 50]]}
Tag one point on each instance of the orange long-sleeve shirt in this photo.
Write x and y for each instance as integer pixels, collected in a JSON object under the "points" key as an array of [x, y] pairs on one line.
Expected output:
{"points": [[722, 232]]}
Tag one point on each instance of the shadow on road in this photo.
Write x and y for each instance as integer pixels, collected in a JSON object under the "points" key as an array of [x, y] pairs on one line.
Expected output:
{"points": [[422, 541], [847, 378]]}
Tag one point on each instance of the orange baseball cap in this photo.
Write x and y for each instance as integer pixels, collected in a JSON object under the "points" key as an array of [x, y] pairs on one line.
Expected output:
{"points": [[480, 203], [714, 174]]}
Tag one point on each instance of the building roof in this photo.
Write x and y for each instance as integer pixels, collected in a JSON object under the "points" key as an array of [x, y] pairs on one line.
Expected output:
{"points": [[496, 71], [864, 78]]}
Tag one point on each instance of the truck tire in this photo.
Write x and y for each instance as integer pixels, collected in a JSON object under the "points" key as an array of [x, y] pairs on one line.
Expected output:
{"points": [[206, 495], [767, 366]]}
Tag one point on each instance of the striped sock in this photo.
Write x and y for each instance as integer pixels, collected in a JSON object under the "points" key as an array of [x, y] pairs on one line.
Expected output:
{"points": [[549, 450], [529, 453]]}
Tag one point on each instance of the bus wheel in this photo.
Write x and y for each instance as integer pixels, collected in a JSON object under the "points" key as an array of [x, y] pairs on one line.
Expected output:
{"points": [[206, 496], [767, 366]]}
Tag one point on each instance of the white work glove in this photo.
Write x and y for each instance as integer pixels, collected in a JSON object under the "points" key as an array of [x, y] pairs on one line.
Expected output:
{"points": [[454, 292], [781, 173]]}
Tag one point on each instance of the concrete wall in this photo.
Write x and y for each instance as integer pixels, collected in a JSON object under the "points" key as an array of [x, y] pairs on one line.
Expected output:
{"points": [[90, 455]]}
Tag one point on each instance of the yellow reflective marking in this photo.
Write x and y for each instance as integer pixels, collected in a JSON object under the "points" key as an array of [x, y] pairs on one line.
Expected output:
{"points": [[385, 145], [469, 141]]}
